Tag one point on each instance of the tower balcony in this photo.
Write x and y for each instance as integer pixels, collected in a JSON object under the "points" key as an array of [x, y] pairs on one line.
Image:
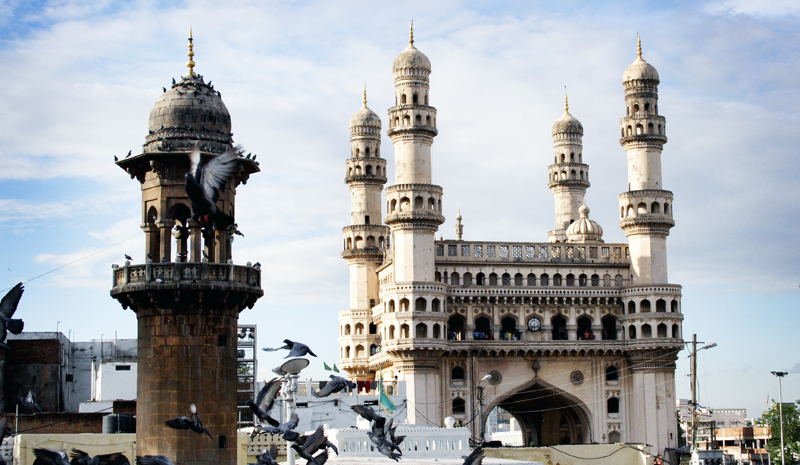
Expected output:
{"points": [[647, 224], [187, 284]]}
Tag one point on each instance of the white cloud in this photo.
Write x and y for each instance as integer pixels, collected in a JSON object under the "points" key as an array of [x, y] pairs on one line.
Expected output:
{"points": [[763, 8]]}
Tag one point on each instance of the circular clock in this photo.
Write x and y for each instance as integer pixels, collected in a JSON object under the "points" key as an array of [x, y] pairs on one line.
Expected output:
{"points": [[534, 324]]}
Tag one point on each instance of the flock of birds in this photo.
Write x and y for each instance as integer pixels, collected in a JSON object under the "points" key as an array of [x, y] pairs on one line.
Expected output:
{"points": [[203, 183]]}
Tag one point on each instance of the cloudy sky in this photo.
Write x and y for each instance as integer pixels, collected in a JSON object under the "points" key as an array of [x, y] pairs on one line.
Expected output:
{"points": [[79, 78]]}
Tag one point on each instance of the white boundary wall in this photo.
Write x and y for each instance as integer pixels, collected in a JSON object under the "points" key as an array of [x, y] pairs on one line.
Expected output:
{"points": [[420, 442]]}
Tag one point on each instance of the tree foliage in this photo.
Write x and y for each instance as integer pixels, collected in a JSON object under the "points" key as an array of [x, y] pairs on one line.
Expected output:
{"points": [[791, 431]]}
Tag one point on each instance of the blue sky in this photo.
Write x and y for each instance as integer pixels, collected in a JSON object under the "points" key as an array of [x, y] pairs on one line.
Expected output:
{"points": [[79, 79]]}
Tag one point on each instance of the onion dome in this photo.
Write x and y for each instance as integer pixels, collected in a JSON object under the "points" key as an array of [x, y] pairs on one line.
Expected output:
{"points": [[365, 117], [567, 123], [640, 69], [188, 112], [411, 57], [584, 230]]}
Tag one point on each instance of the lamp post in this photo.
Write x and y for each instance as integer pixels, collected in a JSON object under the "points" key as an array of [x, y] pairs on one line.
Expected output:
{"points": [[780, 375], [693, 356], [292, 370]]}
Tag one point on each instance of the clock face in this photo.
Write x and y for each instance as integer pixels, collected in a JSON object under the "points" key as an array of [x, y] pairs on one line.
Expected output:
{"points": [[534, 324]]}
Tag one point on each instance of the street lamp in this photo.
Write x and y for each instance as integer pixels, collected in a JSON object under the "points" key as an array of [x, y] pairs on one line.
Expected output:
{"points": [[693, 356], [780, 375], [292, 369], [482, 430]]}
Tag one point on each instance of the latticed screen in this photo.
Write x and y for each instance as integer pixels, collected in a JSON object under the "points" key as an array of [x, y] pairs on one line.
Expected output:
{"points": [[542, 252], [570, 251], [517, 251], [530, 252], [478, 251], [490, 251], [440, 250], [503, 251], [555, 252], [465, 251], [452, 250], [592, 252]]}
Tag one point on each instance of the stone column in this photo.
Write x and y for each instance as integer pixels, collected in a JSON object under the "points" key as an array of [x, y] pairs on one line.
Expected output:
{"points": [[197, 242], [165, 239]]}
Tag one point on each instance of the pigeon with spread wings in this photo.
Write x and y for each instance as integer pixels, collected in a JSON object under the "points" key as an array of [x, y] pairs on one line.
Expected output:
{"points": [[264, 400], [296, 349], [184, 422], [203, 184], [7, 308]]}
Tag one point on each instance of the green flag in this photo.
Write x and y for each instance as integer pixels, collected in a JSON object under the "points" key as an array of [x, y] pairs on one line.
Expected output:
{"points": [[326, 366], [335, 369], [383, 400]]}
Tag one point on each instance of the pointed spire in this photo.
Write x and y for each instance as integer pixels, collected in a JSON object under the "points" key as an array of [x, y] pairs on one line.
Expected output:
{"points": [[411, 34], [459, 226], [566, 101], [190, 63], [640, 45], [365, 95]]}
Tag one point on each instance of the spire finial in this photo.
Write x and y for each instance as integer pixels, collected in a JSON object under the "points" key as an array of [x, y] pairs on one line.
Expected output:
{"points": [[365, 95], [459, 226], [411, 34], [566, 101], [190, 63], [640, 45]]}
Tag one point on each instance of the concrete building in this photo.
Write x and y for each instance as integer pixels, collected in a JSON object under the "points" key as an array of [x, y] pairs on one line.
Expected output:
{"points": [[579, 337], [187, 299]]}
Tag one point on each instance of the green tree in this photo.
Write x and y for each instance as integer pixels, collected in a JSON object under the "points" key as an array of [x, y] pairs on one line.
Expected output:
{"points": [[681, 432], [791, 431]]}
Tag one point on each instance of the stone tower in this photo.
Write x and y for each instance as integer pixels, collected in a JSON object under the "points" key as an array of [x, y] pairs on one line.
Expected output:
{"points": [[365, 241], [414, 214], [646, 218], [568, 175], [187, 305]]}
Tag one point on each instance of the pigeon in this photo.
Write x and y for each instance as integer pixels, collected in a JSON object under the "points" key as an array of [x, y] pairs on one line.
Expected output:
{"points": [[265, 400], [164, 89], [254, 157], [257, 265], [5, 430], [296, 349], [46, 456], [307, 446], [115, 158], [28, 402], [128, 257], [129, 153], [80, 457], [203, 184], [336, 384], [475, 458], [267, 457], [382, 434], [248, 156], [205, 255], [150, 256], [173, 81], [153, 460], [284, 429], [7, 308], [184, 422]]}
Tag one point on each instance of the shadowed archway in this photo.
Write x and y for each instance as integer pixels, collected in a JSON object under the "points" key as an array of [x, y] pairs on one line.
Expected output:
{"points": [[547, 415]]}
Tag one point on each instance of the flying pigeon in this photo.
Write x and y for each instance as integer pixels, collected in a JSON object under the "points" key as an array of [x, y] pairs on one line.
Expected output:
{"points": [[7, 308], [336, 384], [29, 402], [129, 153], [268, 456], [382, 434], [46, 456], [284, 429], [128, 257], [80, 457], [475, 458], [184, 422], [203, 185], [307, 446], [153, 460], [115, 158], [296, 349], [265, 400]]}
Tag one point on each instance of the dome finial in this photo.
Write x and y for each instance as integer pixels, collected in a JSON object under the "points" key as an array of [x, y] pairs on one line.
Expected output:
{"points": [[365, 95], [640, 45], [411, 34], [566, 101], [190, 63]]}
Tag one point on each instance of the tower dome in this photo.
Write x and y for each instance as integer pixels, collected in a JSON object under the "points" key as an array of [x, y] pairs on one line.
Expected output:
{"points": [[365, 117], [640, 69], [187, 112], [567, 123], [584, 230], [411, 57]]}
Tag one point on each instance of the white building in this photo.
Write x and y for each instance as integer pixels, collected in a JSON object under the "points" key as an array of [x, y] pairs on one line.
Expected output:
{"points": [[579, 337]]}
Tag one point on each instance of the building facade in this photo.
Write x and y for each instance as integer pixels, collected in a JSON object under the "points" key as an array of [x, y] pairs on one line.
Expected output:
{"points": [[574, 337]]}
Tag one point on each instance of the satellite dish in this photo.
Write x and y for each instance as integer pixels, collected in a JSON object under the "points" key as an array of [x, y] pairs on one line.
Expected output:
{"points": [[294, 366]]}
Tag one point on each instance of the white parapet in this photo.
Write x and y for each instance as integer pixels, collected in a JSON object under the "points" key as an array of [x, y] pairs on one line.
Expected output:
{"points": [[508, 438], [419, 442]]}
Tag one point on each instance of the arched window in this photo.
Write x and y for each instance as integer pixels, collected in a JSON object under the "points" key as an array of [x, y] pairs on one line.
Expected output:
{"points": [[359, 351], [468, 279], [459, 406], [544, 280], [359, 242], [426, 99], [572, 156], [508, 329], [437, 331], [415, 98], [559, 328], [373, 328], [506, 279], [391, 306], [646, 107], [584, 331], [455, 328], [606, 280], [483, 329], [393, 205], [370, 242], [612, 405], [531, 279], [493, 279], [635, 108], [557, 280], [457, 374], [406, 120], [612, 374], [631, 307], [480, 279], [404, 305], [454, 279], [346, 330], [641, 209], [647, 332], [661, 306], [614, 437], [676, 332], [618, 281], [609, 328], [595, 280], [373, 349], [403, 98], [418, 203], [650, 128], [437, 277], [359, 328], [630, 210], [431, 204], [369, 170], [396, 121], [630, 131], [405, 204], [518, 279], [639, 129], [563, 158], [391, 331], [666, 208], [570, 280], [622, 212], [422, 331], [674, 306], [573, 174], [661, 330], [631, 332], [418, 120], [349, 243], [420, 305], [347, 352], [655, 207], [404, 331], [645, 306], [427, 120], [435, 305]]}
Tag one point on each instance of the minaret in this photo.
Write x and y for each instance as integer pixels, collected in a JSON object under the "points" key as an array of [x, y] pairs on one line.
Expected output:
{"points": [[651, 327], [414, 215], [568, 175], [646, 209], [459, 226], [187, 307], [364, 241]]}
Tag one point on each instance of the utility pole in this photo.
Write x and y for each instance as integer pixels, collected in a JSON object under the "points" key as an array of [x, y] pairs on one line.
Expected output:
{"points": [[694, 391], [780, 375]]}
